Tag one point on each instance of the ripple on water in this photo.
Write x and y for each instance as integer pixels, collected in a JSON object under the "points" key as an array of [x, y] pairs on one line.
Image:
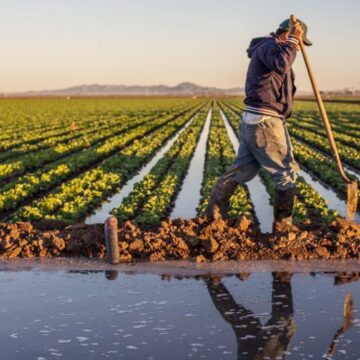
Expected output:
{"points": [[210, 315]]}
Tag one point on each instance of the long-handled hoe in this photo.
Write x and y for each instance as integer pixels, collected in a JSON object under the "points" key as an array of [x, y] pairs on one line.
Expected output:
{"points": [[352, 188]]}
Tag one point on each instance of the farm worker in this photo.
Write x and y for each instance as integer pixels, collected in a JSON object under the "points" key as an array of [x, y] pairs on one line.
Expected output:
{"points": [[264, 139]]}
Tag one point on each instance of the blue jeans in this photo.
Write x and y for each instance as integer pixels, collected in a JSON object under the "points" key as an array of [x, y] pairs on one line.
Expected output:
{"points": [[264, 145]]}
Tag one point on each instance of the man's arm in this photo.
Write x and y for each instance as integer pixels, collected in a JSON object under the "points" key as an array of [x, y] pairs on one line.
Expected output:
{"points": [[280, 59]]}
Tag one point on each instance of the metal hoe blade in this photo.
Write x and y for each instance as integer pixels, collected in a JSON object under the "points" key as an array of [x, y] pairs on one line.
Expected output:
{"points": [[352, 197]]}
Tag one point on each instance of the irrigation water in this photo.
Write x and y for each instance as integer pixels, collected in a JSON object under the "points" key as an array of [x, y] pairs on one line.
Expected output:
{"points": [[189, 195], [89, 310]]}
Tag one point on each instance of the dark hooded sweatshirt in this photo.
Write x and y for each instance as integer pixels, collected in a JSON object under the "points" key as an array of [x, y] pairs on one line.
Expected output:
{"points": [[270, 79]]}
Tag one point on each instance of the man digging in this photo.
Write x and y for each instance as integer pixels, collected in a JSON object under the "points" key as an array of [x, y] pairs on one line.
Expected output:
{"points": [[264, 139]]}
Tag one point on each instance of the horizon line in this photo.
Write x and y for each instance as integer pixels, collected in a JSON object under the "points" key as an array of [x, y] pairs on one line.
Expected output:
{"points": [[350, 88]]}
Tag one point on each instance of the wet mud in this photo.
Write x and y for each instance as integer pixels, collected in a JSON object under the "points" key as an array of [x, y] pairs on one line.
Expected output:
{"points": [[193, 239]]}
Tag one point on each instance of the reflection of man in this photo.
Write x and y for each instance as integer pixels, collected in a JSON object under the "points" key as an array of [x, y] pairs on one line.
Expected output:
{"points": [[254, 340]]}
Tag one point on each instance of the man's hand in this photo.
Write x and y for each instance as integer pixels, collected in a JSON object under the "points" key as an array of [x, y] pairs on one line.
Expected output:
{"points": [[297, 31]]}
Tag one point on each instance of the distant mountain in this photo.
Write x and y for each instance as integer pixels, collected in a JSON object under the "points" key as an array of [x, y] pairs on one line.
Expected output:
{"points": [[182, 89]]}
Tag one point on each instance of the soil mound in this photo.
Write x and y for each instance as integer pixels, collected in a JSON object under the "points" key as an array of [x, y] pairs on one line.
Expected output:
{"points": [[181, 239]]}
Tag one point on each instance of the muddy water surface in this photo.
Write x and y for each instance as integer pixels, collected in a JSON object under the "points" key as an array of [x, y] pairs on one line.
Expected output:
{"points": [[189, 312]]}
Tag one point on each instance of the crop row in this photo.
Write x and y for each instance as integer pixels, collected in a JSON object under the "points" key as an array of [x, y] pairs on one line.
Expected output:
{"points": [[75, 199], [319, 165], [233, 117], [303, 116], [219, 156], [341, 132], [44, 179], [84, 125], [152, 198], [98, 142], [75, 132], [24, 138], [24, 119], [61, 126], [344, 115], [35, 160], [348, 154]]}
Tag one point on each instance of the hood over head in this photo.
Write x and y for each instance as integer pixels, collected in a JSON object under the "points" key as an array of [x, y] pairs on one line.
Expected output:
{"points": [[255, 43]]}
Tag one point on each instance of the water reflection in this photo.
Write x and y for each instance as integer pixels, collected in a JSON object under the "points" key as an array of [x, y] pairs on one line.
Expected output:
{"points": [[110, 314], [346, 277], [255, 340], [271, 340], [111, 274]]}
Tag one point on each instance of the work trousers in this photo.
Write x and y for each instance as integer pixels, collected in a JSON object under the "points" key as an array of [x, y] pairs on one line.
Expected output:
{"points": [[265, 144]]}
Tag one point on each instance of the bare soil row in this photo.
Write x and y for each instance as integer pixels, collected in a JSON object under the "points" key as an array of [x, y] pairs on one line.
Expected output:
{"points": [[197, 239]]}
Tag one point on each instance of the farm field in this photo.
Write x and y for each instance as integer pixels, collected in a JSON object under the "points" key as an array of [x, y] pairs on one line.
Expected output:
{"points": [[70, 161], [60, 159]]}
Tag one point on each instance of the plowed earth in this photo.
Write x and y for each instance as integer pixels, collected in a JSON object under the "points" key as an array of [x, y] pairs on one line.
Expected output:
{"points": [[182, 239]]}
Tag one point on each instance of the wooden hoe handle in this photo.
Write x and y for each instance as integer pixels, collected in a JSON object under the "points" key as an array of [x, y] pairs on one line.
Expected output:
{"points": [[322, 109]]}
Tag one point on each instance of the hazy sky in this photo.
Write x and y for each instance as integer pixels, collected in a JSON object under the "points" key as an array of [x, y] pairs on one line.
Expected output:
{"points": [[54, 44]]}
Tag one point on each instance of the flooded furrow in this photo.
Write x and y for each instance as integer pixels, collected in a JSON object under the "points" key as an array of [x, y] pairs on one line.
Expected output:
{"points": [[352, 172], [347, 167], [189, 196], [258, 193], [104, 211], [333, 201], [94, 314]]}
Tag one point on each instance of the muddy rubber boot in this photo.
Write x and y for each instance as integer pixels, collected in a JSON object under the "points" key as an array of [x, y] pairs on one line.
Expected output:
{"points": [[212, 211], [283, 207], [219, 199]]}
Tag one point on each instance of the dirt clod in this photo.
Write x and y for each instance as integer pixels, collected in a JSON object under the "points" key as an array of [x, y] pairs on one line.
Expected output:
{"points": [[243, 223], [125, 257], [15, 252], [200, 259], [156, 256], [136, 246], [5, 242], [58, 243], [25, 226], [322, 252]]}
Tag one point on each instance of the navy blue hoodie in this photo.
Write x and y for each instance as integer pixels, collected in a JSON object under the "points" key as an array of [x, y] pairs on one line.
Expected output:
{"points": [[270, 79]]}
